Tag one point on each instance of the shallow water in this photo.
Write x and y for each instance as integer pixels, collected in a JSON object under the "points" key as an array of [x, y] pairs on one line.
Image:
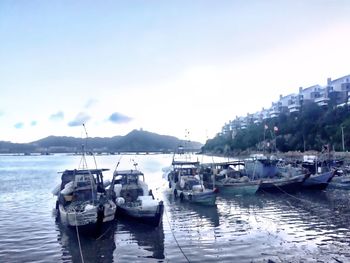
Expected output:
{"points": [[305, 227]]}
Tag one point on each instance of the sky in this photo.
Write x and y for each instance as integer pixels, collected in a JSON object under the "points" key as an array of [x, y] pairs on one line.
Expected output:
{"points": [[180, 68]]}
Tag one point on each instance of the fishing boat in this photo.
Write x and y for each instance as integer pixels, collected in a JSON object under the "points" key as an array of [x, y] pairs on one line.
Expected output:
{"points": [[133, 199], [261, 166], [319, 180], [322, 171], [186, 183], [82, 200], [277, 177], [286, 184], [228, 179], [238, 187]]}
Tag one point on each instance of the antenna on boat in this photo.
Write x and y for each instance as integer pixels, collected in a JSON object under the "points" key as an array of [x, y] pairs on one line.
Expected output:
{"points": [[134, 164], [116, 167], [83, 163], [92, 153], [187, 140]]}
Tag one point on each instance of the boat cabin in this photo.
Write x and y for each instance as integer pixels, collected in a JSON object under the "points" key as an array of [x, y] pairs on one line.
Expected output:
{"points": [[81, 185], [130, 184], [180, 169]]}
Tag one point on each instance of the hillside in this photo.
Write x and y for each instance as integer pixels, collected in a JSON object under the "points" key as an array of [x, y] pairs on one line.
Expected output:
{"points": [[311, 129], [135, 141]]}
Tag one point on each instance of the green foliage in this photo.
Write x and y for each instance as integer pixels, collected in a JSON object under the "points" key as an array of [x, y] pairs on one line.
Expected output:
{"points": [[310, 129]]}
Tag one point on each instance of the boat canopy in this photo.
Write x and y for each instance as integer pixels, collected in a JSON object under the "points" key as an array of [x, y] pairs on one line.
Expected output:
{"points": [[180, 163], [224, 164], [128, 172], [84, 171], [82, 178]]}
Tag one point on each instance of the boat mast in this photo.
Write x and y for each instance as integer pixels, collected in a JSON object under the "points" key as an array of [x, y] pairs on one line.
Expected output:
{"points": [[93, 155]]}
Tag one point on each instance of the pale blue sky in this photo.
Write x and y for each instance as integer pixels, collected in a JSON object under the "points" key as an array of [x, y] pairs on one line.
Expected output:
{"points": [[164, 66]]}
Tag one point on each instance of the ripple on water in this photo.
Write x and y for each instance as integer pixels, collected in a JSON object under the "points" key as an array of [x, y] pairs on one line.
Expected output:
{"points": [[306, 227]]}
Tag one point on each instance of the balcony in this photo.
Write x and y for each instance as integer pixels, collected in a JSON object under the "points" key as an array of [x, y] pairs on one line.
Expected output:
{"points": [[274, 113], [294, 108], [322, 101], [256, 121]]}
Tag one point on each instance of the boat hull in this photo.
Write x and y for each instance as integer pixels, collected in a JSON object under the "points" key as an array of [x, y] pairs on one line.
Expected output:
{"points": [[149, 217], [289, 185], [208, 197], [319, 181], [249, 188], [87, 219]]}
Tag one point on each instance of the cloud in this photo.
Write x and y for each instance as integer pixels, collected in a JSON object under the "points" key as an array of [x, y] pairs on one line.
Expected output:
{"points": [[90, 103], [117, 117], [33, 123], [57, 116], [19, 125], [80, 119]]}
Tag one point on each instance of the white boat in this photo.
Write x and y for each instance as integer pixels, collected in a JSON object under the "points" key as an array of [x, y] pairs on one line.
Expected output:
{"points": [[133, 199], [229, 177], [82, 200], [185, 182]]}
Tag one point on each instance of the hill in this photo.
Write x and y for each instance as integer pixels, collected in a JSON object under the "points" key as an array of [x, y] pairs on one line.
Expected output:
{"points": [[312, 128], [135, 141]]}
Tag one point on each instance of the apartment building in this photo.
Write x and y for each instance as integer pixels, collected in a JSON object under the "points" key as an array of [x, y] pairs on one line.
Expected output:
{"points": [[337, 90]]}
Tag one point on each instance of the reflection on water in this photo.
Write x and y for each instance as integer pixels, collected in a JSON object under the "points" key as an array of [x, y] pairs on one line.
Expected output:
{"points": [[150, 240], [200, 215], [304, 227], [93, 248]]}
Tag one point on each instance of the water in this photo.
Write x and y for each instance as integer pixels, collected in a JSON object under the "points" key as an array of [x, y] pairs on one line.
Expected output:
{"points": [[306, 227]]}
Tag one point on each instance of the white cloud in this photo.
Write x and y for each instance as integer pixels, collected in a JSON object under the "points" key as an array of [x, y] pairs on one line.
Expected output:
{"points": [[57, 116], [79, 120]]}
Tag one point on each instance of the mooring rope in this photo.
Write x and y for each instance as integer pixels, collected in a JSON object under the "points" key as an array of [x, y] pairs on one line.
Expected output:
{"points": [[77, 230], [177, 243], [297, 198], [104, 233]]}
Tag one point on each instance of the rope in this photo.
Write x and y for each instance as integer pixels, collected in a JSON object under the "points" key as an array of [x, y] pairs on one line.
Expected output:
{"points": [[76, 226], [104, 233], [177, 243], [303, 200]]}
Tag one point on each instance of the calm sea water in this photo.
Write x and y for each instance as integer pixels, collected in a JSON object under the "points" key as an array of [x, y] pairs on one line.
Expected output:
{"points": [[306, 227]]}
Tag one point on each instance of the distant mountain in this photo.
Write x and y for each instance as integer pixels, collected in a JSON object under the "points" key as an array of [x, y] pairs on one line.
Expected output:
{"points": [[135, 141], [148, 141]]}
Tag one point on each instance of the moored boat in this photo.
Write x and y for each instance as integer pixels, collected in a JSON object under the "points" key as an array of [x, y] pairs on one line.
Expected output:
{"points": [[185, 183], [318, 181], [229, 180], [133, 199], [239, 188], [259, 166], [82, 200], [282, 184]]}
